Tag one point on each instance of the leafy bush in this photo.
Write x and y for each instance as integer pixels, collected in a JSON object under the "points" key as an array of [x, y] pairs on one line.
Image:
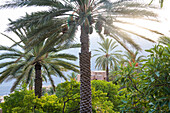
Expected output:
{"points": [[18, 102], [66, 100], [156, 74], [111, 90], [48, 104], [69, 93], [148, 91]]}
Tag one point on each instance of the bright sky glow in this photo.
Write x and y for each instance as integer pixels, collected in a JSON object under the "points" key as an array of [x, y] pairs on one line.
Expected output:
{"points": [[163, 27]]}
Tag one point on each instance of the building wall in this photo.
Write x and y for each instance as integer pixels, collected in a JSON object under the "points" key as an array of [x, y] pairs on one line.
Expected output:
{"points": [[95, 75]]}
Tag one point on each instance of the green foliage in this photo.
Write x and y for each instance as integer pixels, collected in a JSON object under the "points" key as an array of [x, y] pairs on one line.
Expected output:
{"points": [[164, 40], [67, 99], [132, 57], [52, 61], [107, 55], [157, 69], [48, 104], [112, 91], [24, 101], [19, 102], [72, 76], [147, 91], [0, 105], [68, 92]]}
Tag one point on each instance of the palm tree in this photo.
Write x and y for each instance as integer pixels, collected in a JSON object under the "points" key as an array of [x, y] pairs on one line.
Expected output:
{"points": [[135, 58], [87, 15], [28, 66], [73, 76], [164, 40], [107, 57]]}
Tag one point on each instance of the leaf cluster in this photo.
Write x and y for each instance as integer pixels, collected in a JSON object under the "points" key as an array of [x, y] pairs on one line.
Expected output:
{"points": [[66, 100], [147, 89], [20, 61]]}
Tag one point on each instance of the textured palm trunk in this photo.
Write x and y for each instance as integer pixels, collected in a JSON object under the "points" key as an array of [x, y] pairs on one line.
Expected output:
{"points": [[85, 73], [38, 80], [107, 73]]}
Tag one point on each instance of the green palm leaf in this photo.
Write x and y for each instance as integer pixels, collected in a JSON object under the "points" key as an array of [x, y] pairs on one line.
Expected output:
{"points": [[57, 70], [164, 40], [49, 76], [23, 66], [9, 55], [107, 57], [17, 82]]}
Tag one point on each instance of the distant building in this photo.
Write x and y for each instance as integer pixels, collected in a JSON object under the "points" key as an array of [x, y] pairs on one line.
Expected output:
{"points": [[2, 99], [95, 75]]}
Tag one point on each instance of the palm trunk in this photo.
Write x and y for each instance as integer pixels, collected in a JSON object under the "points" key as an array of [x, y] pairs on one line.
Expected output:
{"points": [[107, 73], [38, 80], [85, 72]]}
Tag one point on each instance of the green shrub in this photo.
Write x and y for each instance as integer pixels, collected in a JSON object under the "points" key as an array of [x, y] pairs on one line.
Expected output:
{"points": [[23, 101], [111, 90], [48, 104], [69, 93], [67, 99], [147, 91], [18, 102]]}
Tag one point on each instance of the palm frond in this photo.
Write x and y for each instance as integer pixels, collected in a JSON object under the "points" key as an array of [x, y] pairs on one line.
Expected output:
{"points": [[141, 36], [2, 65], [9, 55], [154, 31], [164, 40], [16, 43], [21, 3], [124, 36], [47, 31], [17, 82], [5, 74], [106, 56], [17, 68], [36, 19], [65, 47], [57, 70], [5, 48], [134, 9], [95, 54], [49, 76], [57, 39], [121, 43], [64, 56], [29, 75], [69, 66]]}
